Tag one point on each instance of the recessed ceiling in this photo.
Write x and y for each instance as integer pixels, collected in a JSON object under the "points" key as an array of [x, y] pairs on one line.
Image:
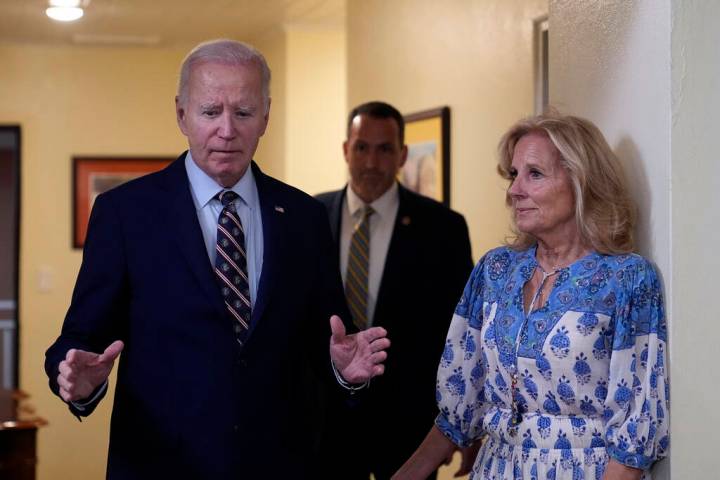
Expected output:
{"points": [[164, 22]]}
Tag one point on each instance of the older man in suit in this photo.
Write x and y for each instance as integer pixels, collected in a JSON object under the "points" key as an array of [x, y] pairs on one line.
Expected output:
{"points": [[405, 259], [214, 281]]}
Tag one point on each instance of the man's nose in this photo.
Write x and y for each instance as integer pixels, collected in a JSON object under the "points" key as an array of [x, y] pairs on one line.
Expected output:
{"points": [[226, 127], [371, 159]]}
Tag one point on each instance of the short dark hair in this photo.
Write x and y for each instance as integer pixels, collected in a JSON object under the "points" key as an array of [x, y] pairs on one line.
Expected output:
{"points": [[379, 110]]}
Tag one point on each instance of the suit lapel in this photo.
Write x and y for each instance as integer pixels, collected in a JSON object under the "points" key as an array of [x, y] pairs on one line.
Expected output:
{"points": [[335, 213], [274, 231], [335, 216], [399, 249], [184, 229]]}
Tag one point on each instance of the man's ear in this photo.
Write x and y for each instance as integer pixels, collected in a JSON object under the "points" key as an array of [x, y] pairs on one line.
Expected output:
{"points": [[180, 114], [266, 117], [345, 150], [403, 154]]}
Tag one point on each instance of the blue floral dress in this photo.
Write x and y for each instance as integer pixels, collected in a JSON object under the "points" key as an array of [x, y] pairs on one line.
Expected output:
{"points": [[589, 369]]}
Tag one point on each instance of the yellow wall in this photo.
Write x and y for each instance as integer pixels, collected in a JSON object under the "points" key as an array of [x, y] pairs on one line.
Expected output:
{"points": [[476, 57], [316, 91], [270, 154], [74, 101], [303, 144]]}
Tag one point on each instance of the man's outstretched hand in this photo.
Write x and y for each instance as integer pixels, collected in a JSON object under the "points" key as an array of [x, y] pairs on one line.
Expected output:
{"points": [[358, 357], [82, 372]]}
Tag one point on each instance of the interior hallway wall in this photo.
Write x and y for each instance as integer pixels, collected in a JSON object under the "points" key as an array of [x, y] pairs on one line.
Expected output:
{"points": [[271, 151], [695, 186], [474, 56], [316, 107], [647, 73]]}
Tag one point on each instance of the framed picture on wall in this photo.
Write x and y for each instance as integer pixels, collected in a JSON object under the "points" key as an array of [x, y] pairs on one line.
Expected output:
{"points": [[427, 169], [95, 175]]}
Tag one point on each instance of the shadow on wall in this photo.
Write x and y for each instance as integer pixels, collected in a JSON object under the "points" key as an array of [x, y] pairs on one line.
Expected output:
{"points": [[639, 186]]}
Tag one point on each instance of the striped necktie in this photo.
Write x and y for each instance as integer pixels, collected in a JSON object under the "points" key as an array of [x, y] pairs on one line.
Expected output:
{"points": [[356, 277], [231, 264]]}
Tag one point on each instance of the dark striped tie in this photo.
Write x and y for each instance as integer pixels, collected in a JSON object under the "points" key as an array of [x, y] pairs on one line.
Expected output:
{"points": [[231, 264], [356, 277]]}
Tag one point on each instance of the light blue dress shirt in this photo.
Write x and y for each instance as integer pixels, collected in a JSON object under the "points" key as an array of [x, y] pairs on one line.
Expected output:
{"points": [[208, 208]]}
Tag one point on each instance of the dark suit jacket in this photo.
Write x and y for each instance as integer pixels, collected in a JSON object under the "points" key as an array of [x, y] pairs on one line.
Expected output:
{"points": [[427, 265], [189, 402]]}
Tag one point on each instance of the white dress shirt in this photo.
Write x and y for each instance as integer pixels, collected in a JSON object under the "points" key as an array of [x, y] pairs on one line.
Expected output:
{"points": [[382, 223]]}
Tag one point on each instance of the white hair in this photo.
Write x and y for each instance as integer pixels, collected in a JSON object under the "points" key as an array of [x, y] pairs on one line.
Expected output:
{"points": [[224, 51]]}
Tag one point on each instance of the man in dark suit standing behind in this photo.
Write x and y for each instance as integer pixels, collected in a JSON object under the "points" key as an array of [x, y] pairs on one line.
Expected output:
{"points": [[404, 260], [214, 281]]}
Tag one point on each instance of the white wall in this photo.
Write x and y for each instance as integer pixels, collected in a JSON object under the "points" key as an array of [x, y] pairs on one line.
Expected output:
{"points": [[611, 64], [695, 237], [647, 72]]}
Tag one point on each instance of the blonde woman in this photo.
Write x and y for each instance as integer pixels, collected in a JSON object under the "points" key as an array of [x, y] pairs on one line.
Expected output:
{"points": [[557, 349]]}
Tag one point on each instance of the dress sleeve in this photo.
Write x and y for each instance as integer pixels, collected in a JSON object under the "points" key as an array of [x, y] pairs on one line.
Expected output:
{"points": [[638, 391], [461, 375]]}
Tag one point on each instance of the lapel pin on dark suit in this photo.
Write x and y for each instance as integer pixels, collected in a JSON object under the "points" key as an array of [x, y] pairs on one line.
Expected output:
{"points": [[405, 220], [280, 209]]}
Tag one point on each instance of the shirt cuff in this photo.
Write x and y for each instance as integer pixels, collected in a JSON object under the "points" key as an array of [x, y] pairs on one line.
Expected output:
{"points": [[345, 384], [451, 432], [629, 459], [80, 406]]}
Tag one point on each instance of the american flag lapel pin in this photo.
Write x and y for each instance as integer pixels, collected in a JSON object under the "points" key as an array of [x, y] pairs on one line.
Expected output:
{"points": [[280, 209]]}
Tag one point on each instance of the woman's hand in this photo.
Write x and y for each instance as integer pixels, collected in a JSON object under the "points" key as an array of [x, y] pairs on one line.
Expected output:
{"points": [[431, 453], [617, 471]]}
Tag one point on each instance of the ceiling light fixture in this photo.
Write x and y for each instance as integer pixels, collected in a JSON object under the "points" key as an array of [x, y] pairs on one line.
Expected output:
{"points": [[64, 10]]}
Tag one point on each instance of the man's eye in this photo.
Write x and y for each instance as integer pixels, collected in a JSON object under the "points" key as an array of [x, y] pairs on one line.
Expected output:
{"points": [[242, 113], [210, 113]]}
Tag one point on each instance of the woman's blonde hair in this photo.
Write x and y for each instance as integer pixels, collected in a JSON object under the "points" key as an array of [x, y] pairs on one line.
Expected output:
{"points": [[604, 211]]}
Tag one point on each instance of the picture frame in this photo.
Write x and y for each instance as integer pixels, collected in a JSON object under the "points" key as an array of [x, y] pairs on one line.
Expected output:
{"points": [[92, 176], [427, 168]]}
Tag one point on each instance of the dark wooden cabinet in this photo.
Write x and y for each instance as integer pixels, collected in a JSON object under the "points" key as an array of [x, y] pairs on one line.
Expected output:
{"points": [[18, 430]]}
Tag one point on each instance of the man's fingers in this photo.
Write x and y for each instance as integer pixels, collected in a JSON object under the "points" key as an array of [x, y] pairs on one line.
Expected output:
{"points": [[77, 357], [64, 383], [337, 327], [378, 370], [111, 352], [65, 395], [375, 333], [379, 345], [378, 357], [66, 370]]}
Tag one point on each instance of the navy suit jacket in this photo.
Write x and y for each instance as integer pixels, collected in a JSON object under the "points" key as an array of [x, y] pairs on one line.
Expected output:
{"points": [[427, 265], [189, 402]]}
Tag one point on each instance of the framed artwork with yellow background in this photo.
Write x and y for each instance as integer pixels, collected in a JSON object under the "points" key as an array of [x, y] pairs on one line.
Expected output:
{"points": [[427, 169], [95, 175]]}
